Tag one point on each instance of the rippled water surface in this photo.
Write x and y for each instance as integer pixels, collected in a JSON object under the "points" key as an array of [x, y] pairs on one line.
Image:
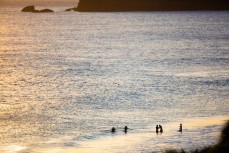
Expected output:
{"points": [[67, 77]]}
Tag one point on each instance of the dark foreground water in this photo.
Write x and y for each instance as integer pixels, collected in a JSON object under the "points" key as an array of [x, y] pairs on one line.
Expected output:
{"points": [[66, 78]]}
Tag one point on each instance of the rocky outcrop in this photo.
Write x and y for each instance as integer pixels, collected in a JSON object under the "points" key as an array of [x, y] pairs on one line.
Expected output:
{"points": [[46, 10], [33, 10], [71, 9], [29, 9], [150, 5]]}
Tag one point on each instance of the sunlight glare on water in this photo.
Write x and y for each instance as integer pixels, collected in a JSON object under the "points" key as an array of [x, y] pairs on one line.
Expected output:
{"points": [[67, 78]]}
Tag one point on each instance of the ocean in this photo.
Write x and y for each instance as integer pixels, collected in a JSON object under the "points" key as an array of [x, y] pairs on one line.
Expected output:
{"points": [[67, 78]]}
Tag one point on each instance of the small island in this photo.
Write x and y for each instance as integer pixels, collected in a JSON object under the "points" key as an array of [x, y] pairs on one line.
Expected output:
{"points": [[33, 10], [150, 5]]}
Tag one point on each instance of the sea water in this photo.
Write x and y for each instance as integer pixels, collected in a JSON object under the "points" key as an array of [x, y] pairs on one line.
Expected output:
{"points": [[67, 78]]}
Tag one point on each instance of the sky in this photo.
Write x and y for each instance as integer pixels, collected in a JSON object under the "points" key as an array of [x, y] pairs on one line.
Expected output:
{"points": [[39, 2]]}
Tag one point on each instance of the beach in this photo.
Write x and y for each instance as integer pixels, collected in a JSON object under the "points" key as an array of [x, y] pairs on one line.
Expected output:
{"points": [[194, 132]]}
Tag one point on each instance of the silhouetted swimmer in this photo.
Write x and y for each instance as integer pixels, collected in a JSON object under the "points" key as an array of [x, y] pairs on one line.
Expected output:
{"points": [[125, 129], [161, 129], [180, 130], [157, 129], [113, 130]]}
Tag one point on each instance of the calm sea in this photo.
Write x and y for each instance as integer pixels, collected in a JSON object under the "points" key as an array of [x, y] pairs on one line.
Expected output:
{"points": [[67, 78]]}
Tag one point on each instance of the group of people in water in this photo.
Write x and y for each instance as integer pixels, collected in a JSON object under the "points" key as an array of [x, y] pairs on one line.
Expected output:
{"points": [[158, 129], [114, 130]]}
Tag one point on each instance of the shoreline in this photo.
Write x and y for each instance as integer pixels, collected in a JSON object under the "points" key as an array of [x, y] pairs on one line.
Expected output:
{"points": [[132, 142]]}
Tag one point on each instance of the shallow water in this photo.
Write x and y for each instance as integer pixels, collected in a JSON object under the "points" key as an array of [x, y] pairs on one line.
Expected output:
{"points": [[67, 78]]}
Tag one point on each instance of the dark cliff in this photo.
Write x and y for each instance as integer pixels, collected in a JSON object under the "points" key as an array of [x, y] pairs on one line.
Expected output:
{"points": [[150, 5]]}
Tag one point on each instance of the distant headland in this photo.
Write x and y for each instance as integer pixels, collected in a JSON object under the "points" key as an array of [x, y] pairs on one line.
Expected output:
{"points": [[150, 5]]}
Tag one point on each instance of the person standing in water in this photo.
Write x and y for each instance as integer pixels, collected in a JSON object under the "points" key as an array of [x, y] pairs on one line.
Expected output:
{"points": [[180, 130], [113, 130], [161, 129], [125, 129], [157, 129]]}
